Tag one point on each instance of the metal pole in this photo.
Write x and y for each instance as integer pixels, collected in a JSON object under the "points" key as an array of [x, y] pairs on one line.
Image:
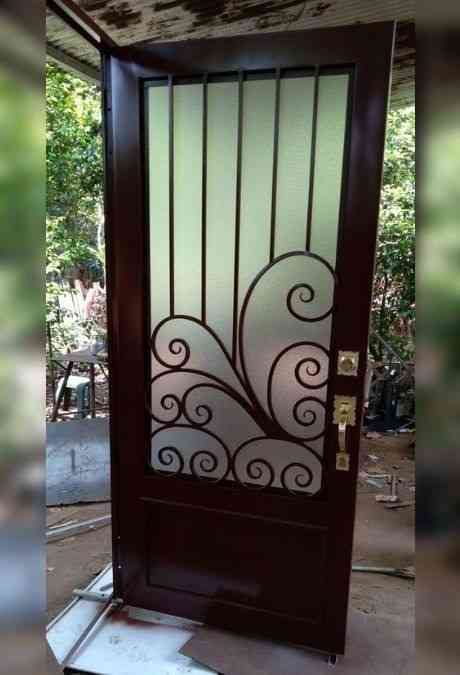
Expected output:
{"points": [[89, 630], [50, 351]]}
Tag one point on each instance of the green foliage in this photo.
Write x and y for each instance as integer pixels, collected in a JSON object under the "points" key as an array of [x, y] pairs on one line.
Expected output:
{"points": [[74, 220], [74, 172], [393, 309]]}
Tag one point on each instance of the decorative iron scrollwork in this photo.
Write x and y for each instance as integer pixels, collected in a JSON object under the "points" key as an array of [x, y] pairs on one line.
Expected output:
{"points": [[280, 406]]}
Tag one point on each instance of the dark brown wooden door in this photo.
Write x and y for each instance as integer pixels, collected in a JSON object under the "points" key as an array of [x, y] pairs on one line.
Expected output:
{"points": [[243, 188]]}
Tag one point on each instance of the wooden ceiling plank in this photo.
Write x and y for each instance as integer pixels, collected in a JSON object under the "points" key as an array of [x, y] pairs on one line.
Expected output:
{"points": [[67, 62]]}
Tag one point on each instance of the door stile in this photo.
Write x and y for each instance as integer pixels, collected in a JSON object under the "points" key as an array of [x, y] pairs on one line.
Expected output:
{"points": [[128, 344], [115, 487], [356, 252]]}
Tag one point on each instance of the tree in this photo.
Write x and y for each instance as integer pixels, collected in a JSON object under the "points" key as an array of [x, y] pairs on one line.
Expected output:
{"points": [[74, 206], [74, 172], [393, 308]]}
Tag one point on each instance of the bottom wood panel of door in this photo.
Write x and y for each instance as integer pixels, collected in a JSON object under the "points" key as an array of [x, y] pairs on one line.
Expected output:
{"points": [[244, 573]]}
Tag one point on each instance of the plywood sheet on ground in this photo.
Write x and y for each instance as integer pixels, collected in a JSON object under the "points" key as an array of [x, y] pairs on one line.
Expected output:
{"points": [[376, 646]]}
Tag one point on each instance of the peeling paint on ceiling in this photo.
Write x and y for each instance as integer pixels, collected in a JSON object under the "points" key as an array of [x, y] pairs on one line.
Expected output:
{"points": [[93, 5], [135, 21], [121, 15]]}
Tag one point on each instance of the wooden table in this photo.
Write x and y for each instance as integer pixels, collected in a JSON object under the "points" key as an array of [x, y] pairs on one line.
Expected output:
{"points": [[79, 356]]}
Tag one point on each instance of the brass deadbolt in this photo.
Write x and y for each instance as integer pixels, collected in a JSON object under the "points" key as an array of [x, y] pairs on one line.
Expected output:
{"points": [[348, 363]]}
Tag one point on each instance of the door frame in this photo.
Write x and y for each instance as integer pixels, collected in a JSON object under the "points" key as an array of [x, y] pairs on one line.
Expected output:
{"points": [[368, 48]]}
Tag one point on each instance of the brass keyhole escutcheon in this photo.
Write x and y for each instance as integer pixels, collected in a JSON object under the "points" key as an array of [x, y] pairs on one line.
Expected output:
{"points": [[347, 363]]}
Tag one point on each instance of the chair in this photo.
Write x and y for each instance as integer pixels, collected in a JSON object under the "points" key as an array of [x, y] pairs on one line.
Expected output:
{"points": [[80, 387]]}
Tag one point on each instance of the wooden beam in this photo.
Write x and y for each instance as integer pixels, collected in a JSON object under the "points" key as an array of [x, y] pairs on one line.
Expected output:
{"points": [[81, 23], [87, 21], [73, 65]]}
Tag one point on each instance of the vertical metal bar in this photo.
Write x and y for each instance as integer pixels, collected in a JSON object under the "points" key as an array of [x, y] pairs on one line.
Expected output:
{"points": [[204, 199], [92, 379], [312, 159], [237, 216], [51, 355], [275, 163], [171, 194]]}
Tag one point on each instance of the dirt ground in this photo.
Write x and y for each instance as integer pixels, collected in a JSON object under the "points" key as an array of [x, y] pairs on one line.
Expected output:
{"points": [[73, 562], [382, 537], [385, 537]]}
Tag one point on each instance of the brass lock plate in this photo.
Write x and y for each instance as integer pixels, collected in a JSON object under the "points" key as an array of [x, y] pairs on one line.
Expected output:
{"points": [[345, 410], [347, 363]]}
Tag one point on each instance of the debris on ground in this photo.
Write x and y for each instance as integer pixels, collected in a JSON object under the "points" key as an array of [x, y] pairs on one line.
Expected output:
{"points": [[74, 527], [69, 522], [399, 505], [403, 572], [387, 498]]}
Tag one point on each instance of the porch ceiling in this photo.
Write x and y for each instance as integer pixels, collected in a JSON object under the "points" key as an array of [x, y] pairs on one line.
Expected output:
{"points": [[133, 21]]}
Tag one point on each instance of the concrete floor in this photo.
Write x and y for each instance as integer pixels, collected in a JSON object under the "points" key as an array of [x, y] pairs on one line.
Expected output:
{"points": [[382, 537]]}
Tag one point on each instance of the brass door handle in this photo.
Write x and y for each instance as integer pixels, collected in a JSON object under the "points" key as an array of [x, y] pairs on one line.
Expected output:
{"points": [[342, 437], [344, 414]]}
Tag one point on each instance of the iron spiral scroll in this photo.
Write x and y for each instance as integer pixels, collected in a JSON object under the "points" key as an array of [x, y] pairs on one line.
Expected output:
{"points": [[281, 405]]}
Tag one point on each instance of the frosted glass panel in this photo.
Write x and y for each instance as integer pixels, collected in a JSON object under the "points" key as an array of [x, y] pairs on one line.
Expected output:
{"points": [[256, 179], [332, 114], [188, 159], [296, 108], [257, 417], [221, 205], [158, 163]]}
